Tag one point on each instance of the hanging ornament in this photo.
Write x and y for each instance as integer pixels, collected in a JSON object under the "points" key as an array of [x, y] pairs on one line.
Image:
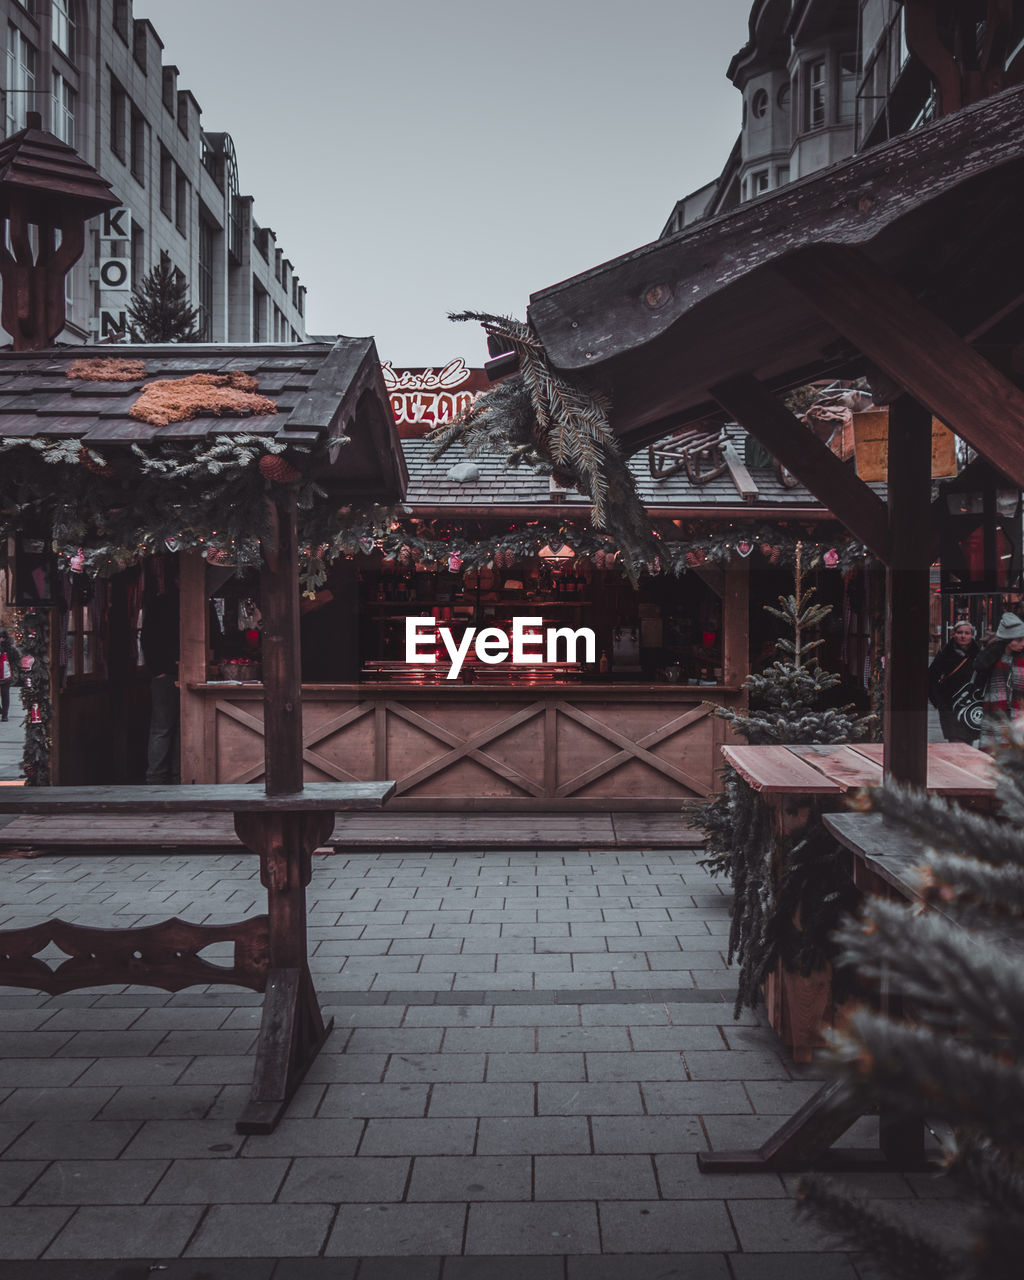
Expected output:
{"points": [[172, 544], [35, 716], [366, 546], [273, 467], [27, 682], [77, 561], [455, 563], [27, 662], [744, 548], [831, 558]]}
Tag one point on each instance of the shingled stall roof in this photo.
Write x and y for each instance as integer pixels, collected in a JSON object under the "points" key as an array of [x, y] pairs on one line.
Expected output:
{"points": [[501, 486], [331, 395], [901, 257]]}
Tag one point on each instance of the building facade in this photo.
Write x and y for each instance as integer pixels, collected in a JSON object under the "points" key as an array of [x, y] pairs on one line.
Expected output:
{"points": [[96, 76], [824, 79]]}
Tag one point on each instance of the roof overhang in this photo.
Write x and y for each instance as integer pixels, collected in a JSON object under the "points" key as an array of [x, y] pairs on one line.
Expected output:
{"points": [[937, 212]]}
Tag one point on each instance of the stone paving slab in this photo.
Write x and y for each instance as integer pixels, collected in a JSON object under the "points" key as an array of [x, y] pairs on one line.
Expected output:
{"points": [[464, 1122]]}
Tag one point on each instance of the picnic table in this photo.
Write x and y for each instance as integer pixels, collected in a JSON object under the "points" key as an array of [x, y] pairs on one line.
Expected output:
{"points": [[885, 861], [269, 951]]}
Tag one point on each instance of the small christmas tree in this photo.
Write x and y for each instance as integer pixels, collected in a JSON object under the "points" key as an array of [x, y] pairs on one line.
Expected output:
{"points": [[774, 887], [960, 1062], [160, 311]]}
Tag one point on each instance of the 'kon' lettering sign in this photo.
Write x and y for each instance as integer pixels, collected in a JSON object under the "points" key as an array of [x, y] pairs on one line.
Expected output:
{"points": [[422, 399]]}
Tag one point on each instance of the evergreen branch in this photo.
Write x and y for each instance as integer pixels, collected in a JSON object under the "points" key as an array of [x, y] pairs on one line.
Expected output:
{"points": [[964, 980], [908, 1253], [926, 1073]]}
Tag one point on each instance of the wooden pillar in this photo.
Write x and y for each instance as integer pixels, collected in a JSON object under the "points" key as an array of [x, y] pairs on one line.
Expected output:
{"points": [[736, 623], [907, 592], [192, 668], [282, 677]]}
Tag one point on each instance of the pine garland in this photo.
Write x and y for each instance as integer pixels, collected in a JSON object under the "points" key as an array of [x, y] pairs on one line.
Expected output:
{"points": [[32, 638], [558, 427]]}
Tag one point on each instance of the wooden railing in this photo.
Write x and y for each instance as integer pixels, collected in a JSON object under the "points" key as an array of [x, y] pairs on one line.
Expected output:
{"points": [[570, 747]]}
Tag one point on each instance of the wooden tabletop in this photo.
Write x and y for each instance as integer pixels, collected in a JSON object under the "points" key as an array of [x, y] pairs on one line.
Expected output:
{"points": [[322, 797], [954, 768]]}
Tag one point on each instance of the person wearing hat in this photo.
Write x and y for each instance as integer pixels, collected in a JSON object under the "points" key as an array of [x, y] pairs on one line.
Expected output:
{"points": [[951, 670], [999, 671], [8, 671]]}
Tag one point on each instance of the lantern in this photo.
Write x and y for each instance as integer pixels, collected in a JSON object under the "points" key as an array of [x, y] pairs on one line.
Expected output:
{"points": [[979, 517]]}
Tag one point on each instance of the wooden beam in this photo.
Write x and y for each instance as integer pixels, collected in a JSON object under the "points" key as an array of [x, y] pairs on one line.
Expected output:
{"points": [[813, 463], [282, 677], [905, 757], [916, 349], [741, 477]]}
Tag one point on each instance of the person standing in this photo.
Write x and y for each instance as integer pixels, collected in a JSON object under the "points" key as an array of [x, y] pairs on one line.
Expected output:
{"points": [[952, 669], [999, 672], [8, 668]]}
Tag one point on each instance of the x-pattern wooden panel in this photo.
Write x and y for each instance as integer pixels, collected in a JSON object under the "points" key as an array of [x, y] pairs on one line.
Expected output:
{"points": [[310, 739], [467, 747], [630, 749]]}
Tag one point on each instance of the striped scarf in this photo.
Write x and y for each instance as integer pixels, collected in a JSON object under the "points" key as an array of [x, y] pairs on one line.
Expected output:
{"points": [[1004, 693]]}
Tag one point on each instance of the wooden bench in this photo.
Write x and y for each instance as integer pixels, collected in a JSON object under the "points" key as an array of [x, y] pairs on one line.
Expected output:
{"points": [[270, 951]]}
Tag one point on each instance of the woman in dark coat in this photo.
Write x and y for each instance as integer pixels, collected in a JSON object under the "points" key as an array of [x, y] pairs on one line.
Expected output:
{"points": [[999, 673], [951, 669]]}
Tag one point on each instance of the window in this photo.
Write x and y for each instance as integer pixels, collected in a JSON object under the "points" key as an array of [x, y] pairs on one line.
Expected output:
{"points": [[21, 79], [62, 26], [847, 87], [138, 254], [138, 146], [122, 16], [759, 105], [169, 88], [63, 109], [85, 657], [118, 115], [759, 182], [206, 247], [166, 181], [180, 200], [259, 310], [139, 44], [816, 106]]}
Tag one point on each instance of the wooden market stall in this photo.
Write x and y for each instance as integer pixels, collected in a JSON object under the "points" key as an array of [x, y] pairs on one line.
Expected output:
{"points": [[629, 727]]}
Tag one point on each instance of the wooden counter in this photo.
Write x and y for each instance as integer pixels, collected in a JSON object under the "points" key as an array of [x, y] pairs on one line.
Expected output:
{"points": [[579, 747]]}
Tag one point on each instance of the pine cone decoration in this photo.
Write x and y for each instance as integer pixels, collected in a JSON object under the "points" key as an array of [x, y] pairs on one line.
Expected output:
{"points": [[599, 558], [273, 467], [405, 555], [97, 466]]}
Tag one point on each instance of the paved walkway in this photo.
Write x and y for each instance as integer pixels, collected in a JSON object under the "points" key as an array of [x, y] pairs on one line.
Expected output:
{"points": [[529, 1049]]}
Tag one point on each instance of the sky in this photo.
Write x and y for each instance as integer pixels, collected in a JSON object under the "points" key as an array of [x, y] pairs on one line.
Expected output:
{"points": [[417, 157]]}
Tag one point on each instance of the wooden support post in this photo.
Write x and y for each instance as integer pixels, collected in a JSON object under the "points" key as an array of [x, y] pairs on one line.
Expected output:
{"points": [[906, 582], [916, 349], [282, 675], [192, 666], [801, 452], [292, 1028], [736, 623]]}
